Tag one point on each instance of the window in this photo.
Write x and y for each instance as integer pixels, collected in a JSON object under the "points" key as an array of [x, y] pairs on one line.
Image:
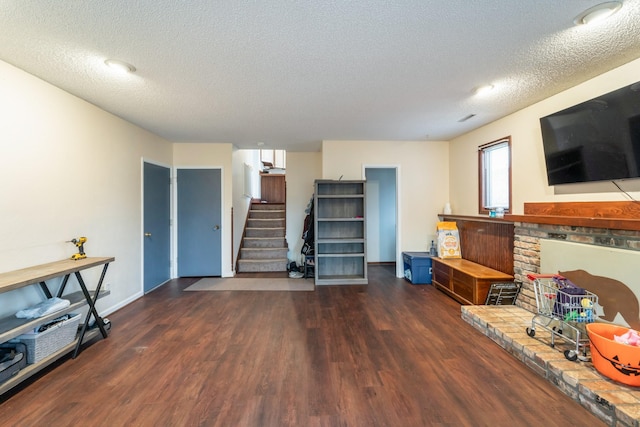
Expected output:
{"points": [[494, 167], [275, 158]]}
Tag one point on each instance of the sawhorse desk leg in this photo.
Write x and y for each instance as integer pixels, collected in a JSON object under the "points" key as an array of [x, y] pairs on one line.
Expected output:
{"points": [[92, 308]]}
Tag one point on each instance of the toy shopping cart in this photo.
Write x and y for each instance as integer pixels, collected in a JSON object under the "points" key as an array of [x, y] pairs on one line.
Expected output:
{"points": [[564, 310]]}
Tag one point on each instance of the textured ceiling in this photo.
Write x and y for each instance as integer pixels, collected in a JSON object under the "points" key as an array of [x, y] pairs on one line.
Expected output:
{"points": [[293, 73]]}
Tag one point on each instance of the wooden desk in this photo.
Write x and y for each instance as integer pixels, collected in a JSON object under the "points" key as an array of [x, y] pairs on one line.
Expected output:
{"points": [[11, 326], [464, 280]]}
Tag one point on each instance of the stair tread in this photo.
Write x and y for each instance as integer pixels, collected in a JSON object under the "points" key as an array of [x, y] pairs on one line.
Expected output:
{"points": [[265, 255], [276, 248], [265, 228], [266, 219]]}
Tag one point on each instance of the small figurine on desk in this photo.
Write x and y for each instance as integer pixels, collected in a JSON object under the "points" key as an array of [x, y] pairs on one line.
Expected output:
{"points": [[79, 242]]}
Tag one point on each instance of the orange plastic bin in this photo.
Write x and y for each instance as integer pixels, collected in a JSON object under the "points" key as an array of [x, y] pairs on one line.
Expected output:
{"points": [[618, 361]]}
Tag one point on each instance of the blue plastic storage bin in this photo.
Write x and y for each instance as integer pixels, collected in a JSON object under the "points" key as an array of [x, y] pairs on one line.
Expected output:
{"points": [[417, 267]]}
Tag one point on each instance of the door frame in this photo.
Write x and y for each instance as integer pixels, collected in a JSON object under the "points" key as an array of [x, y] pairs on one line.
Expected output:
{"points": [[399, 262], [171, 216], [223, 219]]}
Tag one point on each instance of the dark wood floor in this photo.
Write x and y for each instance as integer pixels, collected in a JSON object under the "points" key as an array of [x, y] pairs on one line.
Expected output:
{"points": [[386, 354]]}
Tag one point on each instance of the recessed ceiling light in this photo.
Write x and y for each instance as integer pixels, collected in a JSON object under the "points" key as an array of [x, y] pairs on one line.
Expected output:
{"points": [[120, 66], [598, 13], [483, 90]]}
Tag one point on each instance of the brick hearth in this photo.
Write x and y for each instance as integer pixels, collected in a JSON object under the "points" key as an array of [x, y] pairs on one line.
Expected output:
{"points": [[614, 403]]}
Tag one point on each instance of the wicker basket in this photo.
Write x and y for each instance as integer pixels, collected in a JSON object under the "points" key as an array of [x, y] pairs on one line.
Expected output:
{"points": [[42, 344]]}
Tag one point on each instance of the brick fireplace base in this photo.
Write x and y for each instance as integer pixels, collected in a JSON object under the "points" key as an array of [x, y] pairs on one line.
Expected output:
{"points": [[615, 404]]}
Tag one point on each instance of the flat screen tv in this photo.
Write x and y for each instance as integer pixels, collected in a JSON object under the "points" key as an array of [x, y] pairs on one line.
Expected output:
{"points": [[597, 140]]}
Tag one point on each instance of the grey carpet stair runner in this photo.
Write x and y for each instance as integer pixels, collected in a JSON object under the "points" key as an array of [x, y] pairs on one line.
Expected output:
{"points": [[264, 247]]}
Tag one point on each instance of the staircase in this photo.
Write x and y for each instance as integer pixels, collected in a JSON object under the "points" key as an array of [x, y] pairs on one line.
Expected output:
{"points": [[264, 247]]}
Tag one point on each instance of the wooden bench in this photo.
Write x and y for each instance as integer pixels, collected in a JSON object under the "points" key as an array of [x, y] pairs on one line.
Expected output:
{"points": [[464, 280]]}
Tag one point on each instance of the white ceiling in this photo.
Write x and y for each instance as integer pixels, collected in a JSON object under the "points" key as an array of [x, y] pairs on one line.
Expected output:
{"points": [[293, 73]]}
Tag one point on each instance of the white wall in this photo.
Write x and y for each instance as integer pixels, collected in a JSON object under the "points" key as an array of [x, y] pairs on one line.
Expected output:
{"points": [[218, 156], [529, 178], [302, 170], [69, 169], [423, 181]]}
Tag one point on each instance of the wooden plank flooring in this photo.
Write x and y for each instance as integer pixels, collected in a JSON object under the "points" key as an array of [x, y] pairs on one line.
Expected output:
{"points": [[386, 354]]}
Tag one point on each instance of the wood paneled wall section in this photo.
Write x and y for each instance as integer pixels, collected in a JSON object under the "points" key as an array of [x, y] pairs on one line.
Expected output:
{"points": [[273, 188], [489, 243]]}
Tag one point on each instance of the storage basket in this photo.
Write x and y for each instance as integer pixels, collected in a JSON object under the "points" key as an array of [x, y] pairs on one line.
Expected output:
{"points": [[417, 267], [42, 344], [618, 361], [12, 366]]}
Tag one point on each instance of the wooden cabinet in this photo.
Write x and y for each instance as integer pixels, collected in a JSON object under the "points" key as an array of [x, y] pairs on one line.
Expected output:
{"points": [[340, 248], [465, 280]]}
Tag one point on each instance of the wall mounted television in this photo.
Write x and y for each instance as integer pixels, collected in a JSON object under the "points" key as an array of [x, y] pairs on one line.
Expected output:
{"points": [[597, 140]]}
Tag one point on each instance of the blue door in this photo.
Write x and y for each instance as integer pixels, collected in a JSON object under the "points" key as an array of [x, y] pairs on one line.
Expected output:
{"points": [[199, 219], [157, 224]]}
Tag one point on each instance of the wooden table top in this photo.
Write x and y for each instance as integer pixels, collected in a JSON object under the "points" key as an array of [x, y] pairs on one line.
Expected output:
{"points": [[39, 273]]}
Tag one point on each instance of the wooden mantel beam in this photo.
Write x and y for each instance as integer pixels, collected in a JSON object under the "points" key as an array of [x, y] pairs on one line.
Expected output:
{"points": [[611, 215]]}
